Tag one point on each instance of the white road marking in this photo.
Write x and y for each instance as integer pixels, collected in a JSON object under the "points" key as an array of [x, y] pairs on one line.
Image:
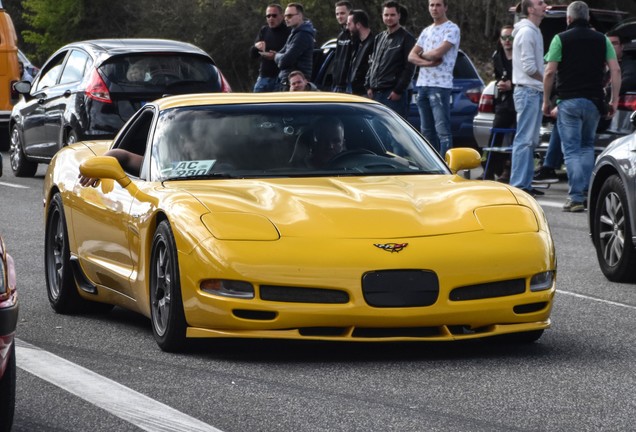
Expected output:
{"points": [[14, 185], [122, 402], [609, 302], [554, 204]]}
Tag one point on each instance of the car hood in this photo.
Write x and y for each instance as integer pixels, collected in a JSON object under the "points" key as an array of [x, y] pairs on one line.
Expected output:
{"points": [[349, 207]]}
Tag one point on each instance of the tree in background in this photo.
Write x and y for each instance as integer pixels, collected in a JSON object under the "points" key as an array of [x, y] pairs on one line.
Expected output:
{"points": [[226, 28]]}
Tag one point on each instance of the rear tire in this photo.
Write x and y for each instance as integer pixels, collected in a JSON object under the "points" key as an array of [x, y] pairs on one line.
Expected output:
{"points": [[166, 304], [612, 232], [70, 137], [19, 164]]}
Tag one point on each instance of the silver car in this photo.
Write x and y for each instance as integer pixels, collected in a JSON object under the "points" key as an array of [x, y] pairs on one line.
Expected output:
{"points": [[612, 208]]}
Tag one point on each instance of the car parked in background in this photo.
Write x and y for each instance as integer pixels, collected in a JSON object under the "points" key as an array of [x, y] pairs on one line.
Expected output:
{"points": [[87, 90], [467, 88], [553, 23], [8, 322], [612, 209], [9, 73]]}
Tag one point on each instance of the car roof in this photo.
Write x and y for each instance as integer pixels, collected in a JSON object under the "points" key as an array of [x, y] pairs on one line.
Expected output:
{"points": [[258, 98], [113, 47]]}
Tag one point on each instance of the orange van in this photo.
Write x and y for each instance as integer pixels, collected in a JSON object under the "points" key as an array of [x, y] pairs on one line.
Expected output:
{"points": [[9, 73]]}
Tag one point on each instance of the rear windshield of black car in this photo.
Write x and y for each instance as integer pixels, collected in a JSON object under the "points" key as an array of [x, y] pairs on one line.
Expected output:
{"points": [[168, 73], [464, 69]]}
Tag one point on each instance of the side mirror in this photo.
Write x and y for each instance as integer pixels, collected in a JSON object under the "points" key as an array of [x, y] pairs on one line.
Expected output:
{"points": [[22, 87], [105, 167], [459, 159]]}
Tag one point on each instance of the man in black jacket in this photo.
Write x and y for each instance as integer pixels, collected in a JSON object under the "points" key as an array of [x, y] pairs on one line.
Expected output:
{"points": [[270, 37], [342, 56], [390, 72], [358, 26]]}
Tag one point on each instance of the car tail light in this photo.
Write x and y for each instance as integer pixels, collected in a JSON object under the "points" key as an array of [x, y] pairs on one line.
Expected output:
{"points": [[627, 102], [474, 94], [96, 88], [225, 86], [486, 103]]}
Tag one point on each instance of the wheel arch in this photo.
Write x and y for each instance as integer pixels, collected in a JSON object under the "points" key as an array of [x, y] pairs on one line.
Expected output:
{"points": [[154, 222], [602, 174]]}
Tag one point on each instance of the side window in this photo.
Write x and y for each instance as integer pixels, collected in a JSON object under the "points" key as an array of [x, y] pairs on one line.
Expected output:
{"points": [[136, 136], [51, 72], [75, 66]]}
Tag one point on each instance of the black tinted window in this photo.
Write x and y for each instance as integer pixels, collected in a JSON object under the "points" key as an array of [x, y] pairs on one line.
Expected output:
{"points": [[464, 68], [161, 71]]}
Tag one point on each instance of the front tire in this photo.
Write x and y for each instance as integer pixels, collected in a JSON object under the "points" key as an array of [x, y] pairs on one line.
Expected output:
{"points": [[7, 393], [166, 305], [60, 285], [613, 233], [19, 164]]}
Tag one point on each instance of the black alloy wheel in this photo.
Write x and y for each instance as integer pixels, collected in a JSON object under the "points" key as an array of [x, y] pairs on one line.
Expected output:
{"points": [[166, 305]]}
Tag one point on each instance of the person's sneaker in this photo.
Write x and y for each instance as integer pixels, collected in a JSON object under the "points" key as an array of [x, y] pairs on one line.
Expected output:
{"points": [[534, 192], [545, 175], [573, 206]]}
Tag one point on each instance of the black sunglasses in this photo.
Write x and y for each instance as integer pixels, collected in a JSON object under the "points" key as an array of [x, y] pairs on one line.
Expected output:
{"points": [[271, 16]]}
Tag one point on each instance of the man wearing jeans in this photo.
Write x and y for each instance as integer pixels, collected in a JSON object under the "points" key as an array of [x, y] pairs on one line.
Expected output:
{"points": [[435, 53], [527, 76], [580, 55]]}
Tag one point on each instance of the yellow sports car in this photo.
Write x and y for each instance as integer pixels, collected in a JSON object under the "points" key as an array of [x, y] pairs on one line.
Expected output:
{"points": [[298, 216]]}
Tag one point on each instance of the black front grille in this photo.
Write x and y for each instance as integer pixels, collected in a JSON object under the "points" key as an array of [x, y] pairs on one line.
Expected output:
{"points": [[400, 288], [303, 295], [489, 290]]}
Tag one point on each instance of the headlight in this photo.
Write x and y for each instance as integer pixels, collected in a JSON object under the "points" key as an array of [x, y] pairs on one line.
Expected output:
{"points": [[228, 288], [542, 281]]}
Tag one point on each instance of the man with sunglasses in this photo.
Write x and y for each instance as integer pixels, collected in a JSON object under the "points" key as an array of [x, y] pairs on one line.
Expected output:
{"points": [[271, 37], [298, 52], [505, 114]]}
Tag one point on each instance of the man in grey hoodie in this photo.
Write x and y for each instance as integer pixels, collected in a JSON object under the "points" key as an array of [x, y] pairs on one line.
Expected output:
{"points": [[527, 76], [298, 52]]}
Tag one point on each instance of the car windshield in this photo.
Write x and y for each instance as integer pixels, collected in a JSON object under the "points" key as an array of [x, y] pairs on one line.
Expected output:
{"points": [[160, 72], [285, 140]]}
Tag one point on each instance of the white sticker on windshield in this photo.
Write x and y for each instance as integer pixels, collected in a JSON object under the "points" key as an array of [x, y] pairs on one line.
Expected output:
{"points": [[192, 168]]}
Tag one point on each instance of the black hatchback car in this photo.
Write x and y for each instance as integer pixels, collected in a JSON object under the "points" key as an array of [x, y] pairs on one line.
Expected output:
{"points": [[88, 90]]}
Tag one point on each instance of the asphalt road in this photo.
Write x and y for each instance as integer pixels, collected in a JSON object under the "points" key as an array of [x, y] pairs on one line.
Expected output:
{"points": [[105, 373]]}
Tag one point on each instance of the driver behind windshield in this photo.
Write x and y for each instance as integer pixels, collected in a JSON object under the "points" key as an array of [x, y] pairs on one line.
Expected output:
{"points": [[328, 141]]}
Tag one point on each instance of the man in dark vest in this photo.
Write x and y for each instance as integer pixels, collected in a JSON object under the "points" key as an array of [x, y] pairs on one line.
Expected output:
{"points": [[579, 55]]}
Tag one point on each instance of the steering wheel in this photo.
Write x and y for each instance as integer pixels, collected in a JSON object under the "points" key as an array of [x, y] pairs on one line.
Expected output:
{"points": [[343, 158]]}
